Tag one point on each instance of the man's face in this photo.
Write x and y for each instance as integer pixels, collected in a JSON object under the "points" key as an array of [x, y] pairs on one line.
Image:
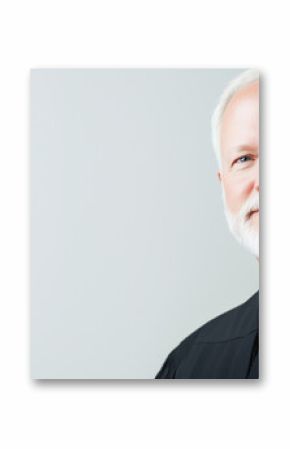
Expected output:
{"points": [[239, 174]]}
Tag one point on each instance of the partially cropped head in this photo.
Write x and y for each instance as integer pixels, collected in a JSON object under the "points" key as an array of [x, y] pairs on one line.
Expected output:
{"points": [[235, 128]]}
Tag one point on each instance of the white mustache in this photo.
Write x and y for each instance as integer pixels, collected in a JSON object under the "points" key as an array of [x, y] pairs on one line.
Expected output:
{"points": [[251, 205]]}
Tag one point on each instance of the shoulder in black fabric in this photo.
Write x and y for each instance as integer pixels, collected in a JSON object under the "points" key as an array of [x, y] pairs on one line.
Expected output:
{"points": [[221, 348]]}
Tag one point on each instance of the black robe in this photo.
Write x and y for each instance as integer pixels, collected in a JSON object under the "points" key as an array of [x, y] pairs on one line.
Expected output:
{"points": [[226, 347]]}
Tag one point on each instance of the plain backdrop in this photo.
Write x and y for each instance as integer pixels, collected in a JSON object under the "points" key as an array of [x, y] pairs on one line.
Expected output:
{"points": [[143, 414], [130, 247]]}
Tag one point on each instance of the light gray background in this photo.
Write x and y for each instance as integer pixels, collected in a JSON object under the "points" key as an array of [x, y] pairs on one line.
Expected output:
{"points": [[130, 248]]}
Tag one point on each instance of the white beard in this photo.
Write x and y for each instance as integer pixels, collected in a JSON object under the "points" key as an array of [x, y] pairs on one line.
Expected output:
{"points": [[241, 226]]}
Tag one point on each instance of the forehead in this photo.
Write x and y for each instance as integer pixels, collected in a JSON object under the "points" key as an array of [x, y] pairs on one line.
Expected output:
{"points": [[240, 121]]}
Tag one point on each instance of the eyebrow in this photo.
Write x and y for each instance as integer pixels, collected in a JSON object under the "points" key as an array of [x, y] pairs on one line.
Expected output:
{"points": [[241, 148]]}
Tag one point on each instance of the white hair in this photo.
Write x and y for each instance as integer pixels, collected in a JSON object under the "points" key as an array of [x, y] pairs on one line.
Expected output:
{"points": [[243, 80]]}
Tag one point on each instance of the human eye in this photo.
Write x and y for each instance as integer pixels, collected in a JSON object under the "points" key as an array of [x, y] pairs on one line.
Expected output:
{"points": [[242, 159]]}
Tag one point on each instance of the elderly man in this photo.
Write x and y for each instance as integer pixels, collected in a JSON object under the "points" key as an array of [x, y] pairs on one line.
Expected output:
{"points": [[227, 346]]}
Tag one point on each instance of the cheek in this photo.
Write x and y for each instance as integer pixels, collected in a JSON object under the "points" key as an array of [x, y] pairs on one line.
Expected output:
{"points": [[235, 194]]}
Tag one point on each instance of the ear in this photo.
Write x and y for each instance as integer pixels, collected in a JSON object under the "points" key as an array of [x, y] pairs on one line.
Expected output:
{"points": [[219, 175]]}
